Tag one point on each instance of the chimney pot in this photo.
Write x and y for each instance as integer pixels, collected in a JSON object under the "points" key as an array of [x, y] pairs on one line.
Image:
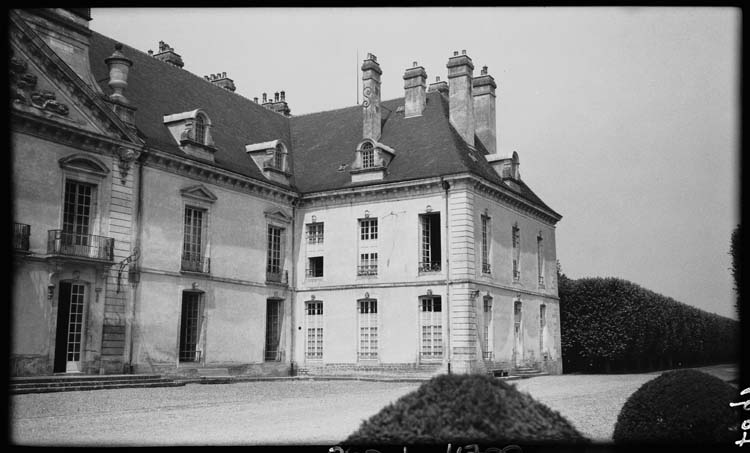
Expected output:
{"points": [[283, 95], [463, 52], [276, 97], [223, 75], [455, 53], [484, 70], [437, 78], [255, 99], [414, 65], [150, 53], [264, 98]]}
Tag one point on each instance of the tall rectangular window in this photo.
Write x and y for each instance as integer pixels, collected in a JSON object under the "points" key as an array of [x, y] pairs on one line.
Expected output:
{"points": [[516, 253], [314, 349], [315, 233], [272, 352], [486, 269], [368, 264], [430, 256], [77, 213], [193, 245], [540, 259], [368, 329], [273, 259], [431, 323], [487, 327], [368, 229], [190, 326], [315, 266]]}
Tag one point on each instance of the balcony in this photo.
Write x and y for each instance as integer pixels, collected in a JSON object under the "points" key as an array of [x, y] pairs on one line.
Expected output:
{"points": [[278, 276], [21, 234], [367, 269], [541, 282], [195, 263], [429, 266], [100, 248], [486, 268]]}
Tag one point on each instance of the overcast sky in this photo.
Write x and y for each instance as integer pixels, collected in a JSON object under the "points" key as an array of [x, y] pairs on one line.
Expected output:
{"points": [[625, 119]]}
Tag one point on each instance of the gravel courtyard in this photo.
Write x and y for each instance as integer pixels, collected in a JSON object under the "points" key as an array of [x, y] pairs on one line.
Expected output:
{"points": [[280, 412]]}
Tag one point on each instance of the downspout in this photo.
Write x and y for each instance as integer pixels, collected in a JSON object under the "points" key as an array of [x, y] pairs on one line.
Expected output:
{"points": [[138, 232], [446, 187]]}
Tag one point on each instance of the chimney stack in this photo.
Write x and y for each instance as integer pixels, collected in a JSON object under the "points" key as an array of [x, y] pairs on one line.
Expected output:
{"points": [[278, 104], [168, 55], [371, 73], [415, 79], [484, 110], [222, 81], [460, 71], [440, 87]]}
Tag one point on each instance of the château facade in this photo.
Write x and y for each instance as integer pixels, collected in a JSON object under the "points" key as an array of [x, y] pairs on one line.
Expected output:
{"points": [[165, 224]]}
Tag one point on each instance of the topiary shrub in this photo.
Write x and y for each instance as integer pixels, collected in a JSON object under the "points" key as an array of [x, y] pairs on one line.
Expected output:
{"points": [[683, 406], [465, 409]]}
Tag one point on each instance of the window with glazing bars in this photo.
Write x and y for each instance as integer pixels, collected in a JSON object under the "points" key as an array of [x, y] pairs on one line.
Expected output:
{"points": [[200, 129], [278, 158], [540, 259], [315, 266], [314, 330], [315, 233], [273, 262], [487, 327], [193, 244], [368, 156], [430, 252], [75, 322], [368, 229], [368, 264], [190, 327], [485, 245], [516, 253], [432, 327], [542, 325], [77, 213], [368, 329], [273, 330]]}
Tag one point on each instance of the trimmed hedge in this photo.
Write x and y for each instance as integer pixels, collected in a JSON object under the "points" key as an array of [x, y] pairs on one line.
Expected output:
{"points": [[685, 406], [465, 409], [611, 324]]}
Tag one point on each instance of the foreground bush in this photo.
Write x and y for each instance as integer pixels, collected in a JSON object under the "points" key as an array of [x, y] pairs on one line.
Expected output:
{"points": [[685, 406], [465, 409]]}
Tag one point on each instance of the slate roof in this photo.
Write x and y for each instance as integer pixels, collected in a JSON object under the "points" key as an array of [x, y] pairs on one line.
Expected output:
{"points": [[426, 146]]}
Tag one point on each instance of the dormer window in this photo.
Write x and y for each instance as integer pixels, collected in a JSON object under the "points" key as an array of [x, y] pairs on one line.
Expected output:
{"points": [[370, 161], [272, 159], [368, 156], [277, 160], [200, 129], [192, 131]]}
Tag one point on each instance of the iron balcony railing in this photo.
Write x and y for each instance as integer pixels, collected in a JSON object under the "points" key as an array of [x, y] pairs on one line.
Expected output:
{"points": [[486, 268], [277, 277], [487, 355], [429, 266], [196, 263], [315, 238], [21, 234], [367, 269], [541, 281], [61, 242]]}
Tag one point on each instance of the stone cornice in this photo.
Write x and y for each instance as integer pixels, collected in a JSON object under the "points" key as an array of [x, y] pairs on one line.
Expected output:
{"points": [[56, 132], [213, 175], [509, 198]]}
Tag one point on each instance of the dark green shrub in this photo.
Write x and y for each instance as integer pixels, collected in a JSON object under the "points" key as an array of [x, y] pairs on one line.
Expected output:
{"points": [[465, 409], [683, 406]]}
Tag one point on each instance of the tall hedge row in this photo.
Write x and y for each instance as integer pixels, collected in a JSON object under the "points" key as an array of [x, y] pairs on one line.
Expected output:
{"points": [[610, 324]]}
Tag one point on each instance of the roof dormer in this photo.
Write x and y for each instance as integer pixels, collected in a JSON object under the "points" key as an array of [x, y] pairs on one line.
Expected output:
{"points": [[192, 130], [371, 159], [272, 158], [506, 168]]}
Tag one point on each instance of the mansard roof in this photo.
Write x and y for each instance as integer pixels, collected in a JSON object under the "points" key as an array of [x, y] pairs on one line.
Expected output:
{"points": [[425, 146]]}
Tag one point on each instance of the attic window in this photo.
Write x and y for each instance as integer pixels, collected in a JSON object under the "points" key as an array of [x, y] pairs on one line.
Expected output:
{"points": [[200, 129], [368, 156]]}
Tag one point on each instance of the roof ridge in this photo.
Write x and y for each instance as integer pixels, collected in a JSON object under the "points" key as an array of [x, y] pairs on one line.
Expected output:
{"points": [[342, 108]]}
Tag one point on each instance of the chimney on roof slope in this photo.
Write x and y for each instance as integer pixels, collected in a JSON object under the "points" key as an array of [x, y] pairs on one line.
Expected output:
{"points": [[460, 70], [278, 104], [484, 110], [415, 79], [221, 80], [437, 85], [168, 55], [371, 73]]}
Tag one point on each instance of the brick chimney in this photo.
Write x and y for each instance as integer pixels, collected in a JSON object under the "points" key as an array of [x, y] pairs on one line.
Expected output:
{"points": [[371, 73], [168, 55], [460, 70], [484, 110], [278, 104], [415, 79], [437, 85], [221, 80]]}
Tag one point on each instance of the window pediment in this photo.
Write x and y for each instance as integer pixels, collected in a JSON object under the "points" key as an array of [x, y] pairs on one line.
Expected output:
{"points": [[199, 192], [278, 215], [84, 163]]}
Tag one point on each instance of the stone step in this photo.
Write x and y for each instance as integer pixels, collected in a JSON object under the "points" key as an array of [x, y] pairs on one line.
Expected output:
{"points": [[27, 385], [94, 386], [82, 378], [221, 372]]}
